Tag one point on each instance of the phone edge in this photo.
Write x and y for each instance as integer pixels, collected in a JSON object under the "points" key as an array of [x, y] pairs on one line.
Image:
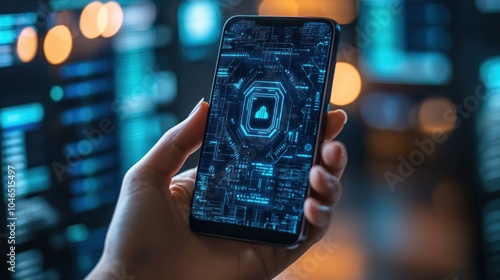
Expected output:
{"points": [[322, 122]]}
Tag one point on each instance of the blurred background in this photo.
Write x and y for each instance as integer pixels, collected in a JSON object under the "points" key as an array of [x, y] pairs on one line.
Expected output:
{"points": [[86, 88]]}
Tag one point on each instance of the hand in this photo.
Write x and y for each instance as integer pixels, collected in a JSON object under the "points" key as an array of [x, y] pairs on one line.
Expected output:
{"points": [[149, 236]]}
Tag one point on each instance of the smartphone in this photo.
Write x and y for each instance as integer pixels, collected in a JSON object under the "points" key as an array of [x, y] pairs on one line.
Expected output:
{"points": [[268, 107]]}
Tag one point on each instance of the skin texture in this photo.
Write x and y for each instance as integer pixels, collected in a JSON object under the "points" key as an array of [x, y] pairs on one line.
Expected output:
{"points": [[149, 236]]}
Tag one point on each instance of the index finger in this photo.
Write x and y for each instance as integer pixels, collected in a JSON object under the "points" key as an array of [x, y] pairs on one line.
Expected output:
{"points": [[335, 121], [172, 150]]}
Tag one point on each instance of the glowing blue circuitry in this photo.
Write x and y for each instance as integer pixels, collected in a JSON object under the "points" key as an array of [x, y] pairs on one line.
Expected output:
{"points": [[264, 118], [260, 91]]}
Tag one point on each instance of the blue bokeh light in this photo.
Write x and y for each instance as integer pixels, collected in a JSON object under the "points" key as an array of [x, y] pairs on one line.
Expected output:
{"points": [[199, 23]]}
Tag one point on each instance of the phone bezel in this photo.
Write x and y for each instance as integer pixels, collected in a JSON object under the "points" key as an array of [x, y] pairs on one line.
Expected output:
{"points": [[257, 235]]}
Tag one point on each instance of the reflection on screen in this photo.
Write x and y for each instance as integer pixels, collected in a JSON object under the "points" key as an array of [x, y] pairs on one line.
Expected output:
{"points": [[263, 122]]}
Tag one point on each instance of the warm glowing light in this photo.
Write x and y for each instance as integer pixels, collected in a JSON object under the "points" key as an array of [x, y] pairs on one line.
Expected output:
{"points": [[346, 84], [339, 255], [94, 20], [58, 44], [437, 114], [114, 17], [342, 11], [279, 8], [27, 44]]}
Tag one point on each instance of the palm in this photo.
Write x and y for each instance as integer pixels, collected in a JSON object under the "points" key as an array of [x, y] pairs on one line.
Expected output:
{"points": [[162, 214]]}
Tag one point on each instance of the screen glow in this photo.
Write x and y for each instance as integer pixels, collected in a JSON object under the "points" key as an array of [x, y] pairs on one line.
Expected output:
{"points": [[263, 123]]}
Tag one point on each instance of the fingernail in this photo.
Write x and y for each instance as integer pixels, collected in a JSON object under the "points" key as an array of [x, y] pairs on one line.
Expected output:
{"points": [[317, 169], [330, 183], [197, 106], [322, 208], [337, 151], [324, 219], [345, 114], [330, 180]]}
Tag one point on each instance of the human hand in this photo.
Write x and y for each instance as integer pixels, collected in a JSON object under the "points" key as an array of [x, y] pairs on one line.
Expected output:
{"points": [[149, 236]]}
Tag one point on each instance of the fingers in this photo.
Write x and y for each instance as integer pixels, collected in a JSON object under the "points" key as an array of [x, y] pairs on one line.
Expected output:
{"points": [[334, 123], [326, 193], [184, 181], [171, 151], [325, 185], [318, 208], [323, 179], [334, 157], [317, 214]]}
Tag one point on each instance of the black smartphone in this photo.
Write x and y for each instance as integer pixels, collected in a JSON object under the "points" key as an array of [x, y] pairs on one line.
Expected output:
{"points": [[267, 113]]}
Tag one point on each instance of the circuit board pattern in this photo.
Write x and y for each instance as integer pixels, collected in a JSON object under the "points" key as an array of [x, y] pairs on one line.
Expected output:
{"points": [[260, 139]]}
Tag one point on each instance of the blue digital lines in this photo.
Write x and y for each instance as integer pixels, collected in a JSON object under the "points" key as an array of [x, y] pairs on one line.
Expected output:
{"points": [[262, 128]]}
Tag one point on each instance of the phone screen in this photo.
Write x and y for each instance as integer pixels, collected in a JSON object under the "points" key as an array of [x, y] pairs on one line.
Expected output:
{"points": [[263, 123]]}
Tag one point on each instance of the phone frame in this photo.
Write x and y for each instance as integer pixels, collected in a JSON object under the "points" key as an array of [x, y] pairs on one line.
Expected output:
{"points": [[258, 235]]}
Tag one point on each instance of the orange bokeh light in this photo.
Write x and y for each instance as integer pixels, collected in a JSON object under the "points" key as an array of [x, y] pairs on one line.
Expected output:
{"points": [[27, 44], [437, 114], [93, 20], [343, 11], [346, 84], [278, 8], [58, 44], [114, 17]]}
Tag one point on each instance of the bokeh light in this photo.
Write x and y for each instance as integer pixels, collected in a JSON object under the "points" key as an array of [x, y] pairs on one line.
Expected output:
{"points": [[279, 8], [199, 23], [56, 93], [381, 110], [27, 44], [115, 19], [342, 11], [58, 44], [77, 233], [94, 20], [437, 114], [346, 84]]}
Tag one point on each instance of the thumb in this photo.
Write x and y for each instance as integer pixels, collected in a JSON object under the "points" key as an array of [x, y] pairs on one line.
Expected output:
{"points": [[169, 154]]}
